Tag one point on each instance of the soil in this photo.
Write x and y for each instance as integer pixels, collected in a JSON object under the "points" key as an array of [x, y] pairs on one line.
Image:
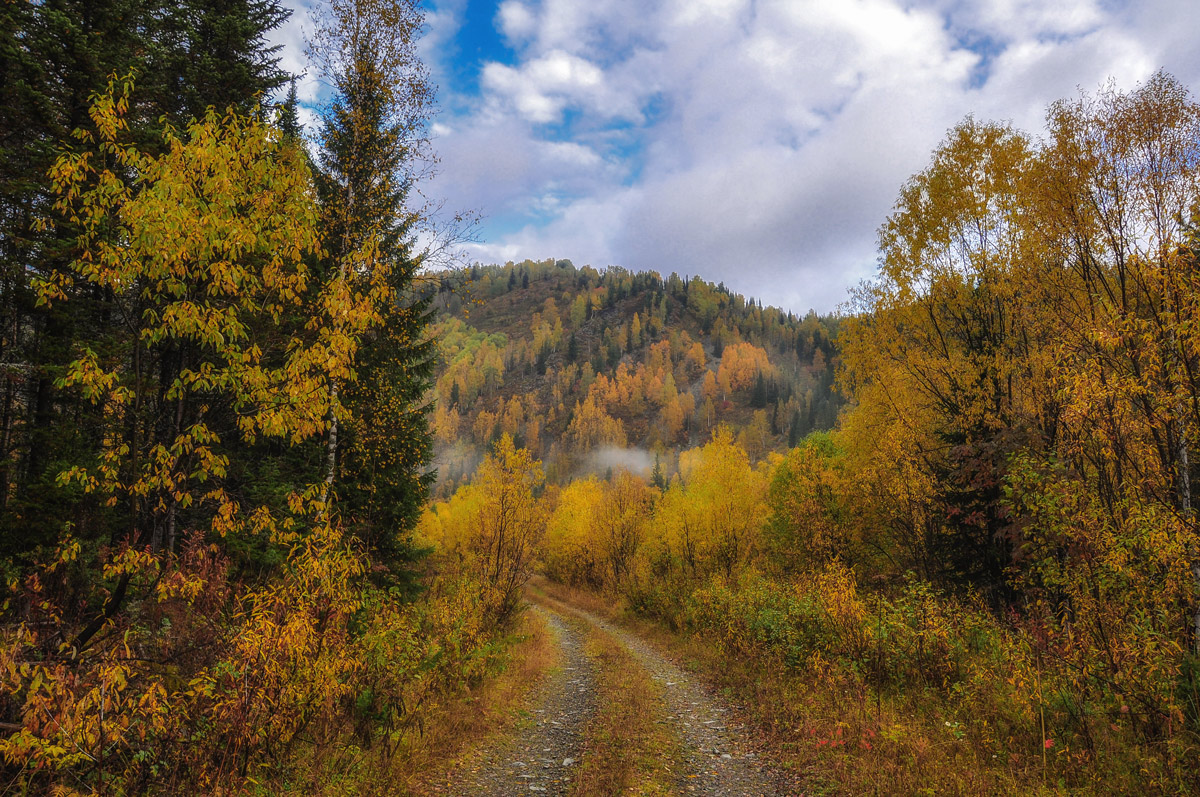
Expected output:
{"points": [[540, 756], [721, 757]]}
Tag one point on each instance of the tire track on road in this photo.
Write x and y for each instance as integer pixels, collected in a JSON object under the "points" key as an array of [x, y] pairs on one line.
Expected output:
{"points": [[540, 758], [721, 759]]}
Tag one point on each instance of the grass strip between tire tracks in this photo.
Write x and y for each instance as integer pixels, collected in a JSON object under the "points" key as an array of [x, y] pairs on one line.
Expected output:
{"points": [[628, 749]]}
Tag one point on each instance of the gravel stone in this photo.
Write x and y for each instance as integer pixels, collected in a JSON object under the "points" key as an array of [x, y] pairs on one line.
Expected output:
{"points": [[721, 759], [539, 757]]}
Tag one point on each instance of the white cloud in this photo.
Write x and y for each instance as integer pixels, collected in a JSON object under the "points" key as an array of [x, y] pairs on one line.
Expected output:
{"points": [[689, 12], [516, 21], [582, 226], [292, 59], [1013, 20], [495, 165], [761, 143], [442, 23], [542, 88]]}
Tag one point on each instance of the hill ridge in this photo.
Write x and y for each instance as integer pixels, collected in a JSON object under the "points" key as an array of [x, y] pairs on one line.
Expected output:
{"points": [[571, 361]]}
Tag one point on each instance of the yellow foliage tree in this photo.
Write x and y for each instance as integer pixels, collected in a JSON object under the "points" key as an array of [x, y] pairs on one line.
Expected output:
{"points": [[203, 251], [492, 527], [591, 427], [741, 363], [569, 553], [710, 521]]}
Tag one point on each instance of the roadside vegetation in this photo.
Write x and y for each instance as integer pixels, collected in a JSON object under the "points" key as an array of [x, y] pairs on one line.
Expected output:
{"points": [[214, 439], [984, 578]]}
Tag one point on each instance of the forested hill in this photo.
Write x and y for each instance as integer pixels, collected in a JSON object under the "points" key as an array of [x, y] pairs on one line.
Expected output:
{"points": [[594, 369]]}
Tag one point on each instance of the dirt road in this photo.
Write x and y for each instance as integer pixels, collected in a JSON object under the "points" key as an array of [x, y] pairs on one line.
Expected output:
{"points": [[539, 757], [720, 758]]}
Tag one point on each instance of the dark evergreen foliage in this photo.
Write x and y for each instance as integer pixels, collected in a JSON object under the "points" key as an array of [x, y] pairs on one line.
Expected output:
{"points": [[54, 55], [758, 395], [383, 482], [289, 114], [214, 53]]}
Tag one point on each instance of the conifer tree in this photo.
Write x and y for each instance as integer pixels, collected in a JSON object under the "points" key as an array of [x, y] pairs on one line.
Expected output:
{"points": [[795, 431], [289, 113], [758, 397], [213, 53], [371, 137], [55, 55]]}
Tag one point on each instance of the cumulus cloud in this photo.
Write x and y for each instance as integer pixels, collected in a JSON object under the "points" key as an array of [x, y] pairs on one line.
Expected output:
{"points": [[540, 89], [290, 38], [516, 21], [756, 143]]}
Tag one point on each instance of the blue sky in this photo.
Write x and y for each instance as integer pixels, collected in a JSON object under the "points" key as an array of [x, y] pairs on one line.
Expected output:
{"points": [[756, 142]]}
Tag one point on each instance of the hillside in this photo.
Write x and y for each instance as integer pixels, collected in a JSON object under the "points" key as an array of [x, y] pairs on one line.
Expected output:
{"points": [[589, 370]]}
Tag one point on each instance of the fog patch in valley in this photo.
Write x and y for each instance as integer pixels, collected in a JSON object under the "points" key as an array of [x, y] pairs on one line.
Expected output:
{"points": [[634, 460]]}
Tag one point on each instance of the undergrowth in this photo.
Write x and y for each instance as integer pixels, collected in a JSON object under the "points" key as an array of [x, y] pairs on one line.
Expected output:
{"points": [[911, 693]]}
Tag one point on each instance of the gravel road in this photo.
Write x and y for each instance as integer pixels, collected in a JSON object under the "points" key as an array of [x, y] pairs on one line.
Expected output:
{"points": [[540, 757], [721, 760]]}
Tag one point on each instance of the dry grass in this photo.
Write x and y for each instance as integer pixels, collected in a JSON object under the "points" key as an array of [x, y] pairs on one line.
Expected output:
{"points": [[628, 750], [840, 741], [449, 730], [493, 708], [844, 742], [542, 587]]}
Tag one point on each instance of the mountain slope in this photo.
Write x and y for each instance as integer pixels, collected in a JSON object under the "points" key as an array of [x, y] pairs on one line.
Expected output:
{"points": [[592, 369]]}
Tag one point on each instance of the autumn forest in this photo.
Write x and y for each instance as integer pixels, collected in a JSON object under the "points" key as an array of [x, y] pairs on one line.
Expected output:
{"points": [[295, 500]]}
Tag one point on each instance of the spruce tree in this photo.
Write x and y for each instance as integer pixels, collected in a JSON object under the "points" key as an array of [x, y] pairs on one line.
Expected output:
{"points": [[369, 137], [289, 114], [795, 432], [214, 53], [657, 478], [54, 56], [758, 396]]}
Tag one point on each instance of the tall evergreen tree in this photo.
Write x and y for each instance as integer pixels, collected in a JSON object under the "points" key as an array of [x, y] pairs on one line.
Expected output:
{"points": [[657, 477], [53, 56], [758, 396], [215, 53], [289, 113], [795, 429], [369, 138]]}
